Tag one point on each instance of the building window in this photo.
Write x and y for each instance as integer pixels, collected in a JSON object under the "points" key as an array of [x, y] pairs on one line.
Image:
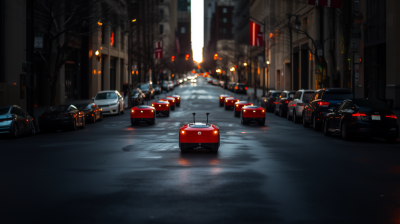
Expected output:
{"points": [[225, 10], [183, 29], [222, 30], [161, 28], [224, 20], [122, 40], [161, 13]]}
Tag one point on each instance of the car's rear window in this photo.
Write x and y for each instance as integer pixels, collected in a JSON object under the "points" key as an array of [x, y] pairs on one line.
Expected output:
{"points": [[106, 96], [242, 85], [276, 94], [84, 106], [4, 110], [307, 96], [143, 106], [195, 125], [56, 109], [368, 104], [337, 96]]}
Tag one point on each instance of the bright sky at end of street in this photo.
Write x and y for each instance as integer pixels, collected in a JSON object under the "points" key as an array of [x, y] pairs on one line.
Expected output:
{"points": [[197, 27]]}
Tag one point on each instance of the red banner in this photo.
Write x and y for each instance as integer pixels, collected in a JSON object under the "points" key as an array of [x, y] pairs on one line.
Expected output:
{"points": [[256, 37], [158, 51], [326, 3]]}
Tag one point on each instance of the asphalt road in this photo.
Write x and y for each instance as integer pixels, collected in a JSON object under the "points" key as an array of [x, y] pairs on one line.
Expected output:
{"points": [[112, 172]]}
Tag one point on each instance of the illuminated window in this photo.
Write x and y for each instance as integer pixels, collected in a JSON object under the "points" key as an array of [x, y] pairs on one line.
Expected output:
{"points": [[112, 38], [224, 20], [183, 29], [225, 10]]}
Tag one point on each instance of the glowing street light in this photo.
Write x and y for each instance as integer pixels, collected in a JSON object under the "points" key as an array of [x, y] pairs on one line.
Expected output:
{"points": [[218, 70], [232, 69], [245, 64]]}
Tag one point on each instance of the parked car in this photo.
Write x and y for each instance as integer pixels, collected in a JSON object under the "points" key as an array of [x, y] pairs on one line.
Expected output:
{"points": [[15, 121], [171, 85], [165, 86], [231, 86], [320, 102], [295, 107], [215, 82], [222, 83], [147, 89], [283, 101], [110, 101], [240, 88], [138, 97], [92, 112], [62, 117], [362, 117], [269, 101], [157, 89]]}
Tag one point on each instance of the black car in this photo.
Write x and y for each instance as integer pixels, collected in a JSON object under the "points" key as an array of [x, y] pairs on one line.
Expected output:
{"points": [[157, 89], [138, 97], [231, 86], [147, 89], [15, 121], [362, 117], [320, 102], [240, 88], [269, 101], [283, 101], [91, 111], [165, 86], [62, 117]]}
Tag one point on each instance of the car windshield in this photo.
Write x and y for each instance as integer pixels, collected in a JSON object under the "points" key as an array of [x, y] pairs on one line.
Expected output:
{"points": [[367, 105], [337, 96], [4, 110], [56, 109], [106, 96], [143, 86], [276, 94], [199, 125], [84, 106]]}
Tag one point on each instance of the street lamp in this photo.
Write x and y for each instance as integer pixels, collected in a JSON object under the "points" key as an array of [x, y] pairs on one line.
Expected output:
{"points": [[244, 64], [232, 69], [97, 53], [218, 70]]}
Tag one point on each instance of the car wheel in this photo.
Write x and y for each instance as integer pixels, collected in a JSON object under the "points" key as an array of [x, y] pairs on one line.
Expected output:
{"points": [[226, 108], [294, 116], [83, 123], [344, 132], [173, 108], [305, 124], [119, 111], [280, 112], [262, 122], [288, 115], [275, 112], [101, 116], [132, 123], [94, 119], [391, 140], [73, 127], [326, 129], [33, 129], [15, 133]]}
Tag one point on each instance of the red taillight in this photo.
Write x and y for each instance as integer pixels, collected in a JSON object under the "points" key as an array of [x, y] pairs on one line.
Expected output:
{"points": [[392, 116], [236, 87], [245, 88], [358, 114], [323, 104], [286, 101]]}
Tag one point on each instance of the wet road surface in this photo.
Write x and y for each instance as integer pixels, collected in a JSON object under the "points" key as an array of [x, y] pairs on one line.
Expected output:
{"points": [[112, 172]]}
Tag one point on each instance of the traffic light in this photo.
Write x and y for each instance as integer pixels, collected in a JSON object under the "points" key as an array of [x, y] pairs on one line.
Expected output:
{"points": [[173, 58], [187, 57], [215, 56]]}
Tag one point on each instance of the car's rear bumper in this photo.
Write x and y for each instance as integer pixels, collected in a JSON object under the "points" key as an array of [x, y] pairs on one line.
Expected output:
{"points": [[142, 120], [253, 119], [187, 146], [162, 112], [369, 130], [6, 128]]}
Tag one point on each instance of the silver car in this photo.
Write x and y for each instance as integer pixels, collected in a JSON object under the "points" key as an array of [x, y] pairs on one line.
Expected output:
{"points": [[110, 101], [295, 107]]}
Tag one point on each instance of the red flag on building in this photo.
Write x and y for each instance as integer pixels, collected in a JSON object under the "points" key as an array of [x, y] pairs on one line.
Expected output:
{"points": [[326, 3], [158, 52], [256, 37]]}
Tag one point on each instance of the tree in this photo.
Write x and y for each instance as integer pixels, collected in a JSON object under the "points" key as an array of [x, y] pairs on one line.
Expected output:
{"points": [[68, 20]]}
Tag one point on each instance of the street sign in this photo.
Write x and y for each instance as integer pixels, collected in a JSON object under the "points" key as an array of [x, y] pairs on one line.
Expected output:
{"points": [[354, 44], [38, 42]]}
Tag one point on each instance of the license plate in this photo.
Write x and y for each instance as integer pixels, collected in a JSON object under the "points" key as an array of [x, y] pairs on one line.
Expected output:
{"points": [[376, 117], [241, 88]]}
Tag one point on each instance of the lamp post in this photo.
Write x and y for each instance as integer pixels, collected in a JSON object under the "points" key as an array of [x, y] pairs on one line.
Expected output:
{"points": [[297, 24], [267, 74]]}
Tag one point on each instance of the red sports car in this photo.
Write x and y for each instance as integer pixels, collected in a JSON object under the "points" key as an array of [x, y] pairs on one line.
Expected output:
{"points": [[177, 100], [222, 99], [143, 114], [161, 107], [199, 136], [171, 102], [238, 107], [230, 102], [252, 114]]}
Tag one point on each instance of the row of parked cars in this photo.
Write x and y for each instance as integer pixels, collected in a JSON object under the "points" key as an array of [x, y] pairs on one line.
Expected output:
{"points": [[232, 86], [335, 111]]}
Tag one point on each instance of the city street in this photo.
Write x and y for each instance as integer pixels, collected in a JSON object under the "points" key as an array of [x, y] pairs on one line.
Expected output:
{"points": [[112, 172]]}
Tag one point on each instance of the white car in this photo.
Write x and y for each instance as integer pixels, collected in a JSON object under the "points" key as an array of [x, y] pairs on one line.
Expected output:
{"points": [[295, 107], [110, 101], [193, 80]]}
